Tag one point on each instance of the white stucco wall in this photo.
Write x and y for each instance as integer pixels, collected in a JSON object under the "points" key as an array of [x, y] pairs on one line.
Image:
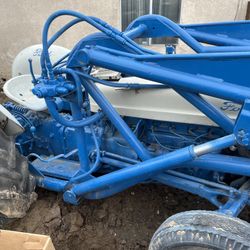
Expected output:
{"points": [[21, 22], [200, 11]]}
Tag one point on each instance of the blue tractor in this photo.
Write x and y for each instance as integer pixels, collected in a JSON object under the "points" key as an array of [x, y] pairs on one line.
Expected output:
{"points": [[110, 114]]}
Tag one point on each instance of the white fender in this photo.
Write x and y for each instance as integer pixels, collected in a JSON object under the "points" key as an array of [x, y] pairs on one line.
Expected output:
{"points": [[20, 65]]}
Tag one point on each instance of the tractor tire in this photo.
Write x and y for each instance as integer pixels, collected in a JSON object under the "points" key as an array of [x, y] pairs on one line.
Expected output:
{"points": [[201, 230], [16, 183]]}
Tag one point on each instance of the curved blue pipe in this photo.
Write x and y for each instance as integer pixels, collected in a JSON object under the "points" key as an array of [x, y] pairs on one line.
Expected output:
{"points": [[73, 124]]}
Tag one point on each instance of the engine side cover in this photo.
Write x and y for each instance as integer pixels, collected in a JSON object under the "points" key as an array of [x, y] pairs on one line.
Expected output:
{"points": [[160, 104]]}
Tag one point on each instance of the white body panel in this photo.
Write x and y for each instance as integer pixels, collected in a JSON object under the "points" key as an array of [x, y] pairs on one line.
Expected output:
{"points": [[160, 104], [156, 104], [20, 65]]}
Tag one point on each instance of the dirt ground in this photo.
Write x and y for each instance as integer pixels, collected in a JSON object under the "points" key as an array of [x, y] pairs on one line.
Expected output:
{"points": [[125, 221]]}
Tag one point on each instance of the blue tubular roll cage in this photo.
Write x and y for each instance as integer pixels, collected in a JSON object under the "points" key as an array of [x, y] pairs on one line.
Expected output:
{"points": [[212, 71]]}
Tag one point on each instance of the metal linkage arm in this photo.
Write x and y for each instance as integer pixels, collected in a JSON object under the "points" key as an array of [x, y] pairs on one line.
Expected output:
{"points": [[173, 78], [192, 35], [147, 169]]}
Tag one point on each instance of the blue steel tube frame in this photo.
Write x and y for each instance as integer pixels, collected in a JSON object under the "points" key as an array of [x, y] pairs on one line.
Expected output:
{"points": [[209, 110], [115, 118], [159, 26], [80, 138], [186, 82], [172, 78], [147, 169], [216, 115]]}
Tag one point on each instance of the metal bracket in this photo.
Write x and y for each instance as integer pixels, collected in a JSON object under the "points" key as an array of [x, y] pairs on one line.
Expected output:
{"points": [[241, 129]]}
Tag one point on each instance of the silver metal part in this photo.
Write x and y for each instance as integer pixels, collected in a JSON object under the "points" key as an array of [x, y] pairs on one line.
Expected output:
{"points": [[8, 123]]}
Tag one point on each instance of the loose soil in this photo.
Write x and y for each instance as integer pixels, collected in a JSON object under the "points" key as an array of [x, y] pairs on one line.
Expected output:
{"points": [[125, 221]]}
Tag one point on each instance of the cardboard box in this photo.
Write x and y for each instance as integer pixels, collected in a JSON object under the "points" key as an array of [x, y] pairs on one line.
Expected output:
{"points": [[11, 240]]}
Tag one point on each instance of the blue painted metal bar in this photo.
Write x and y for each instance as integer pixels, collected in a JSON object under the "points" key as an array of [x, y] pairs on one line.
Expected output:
{"points": [[222, 163], [235, 30], [200, 180], [197, 188], [216, 39], [109, 191], [173, 78], [115, 118], [119, 157], [237, 202], [215, 145], [136, 32], [149, 168], [53, 184], [192, 187], [156, 24], [124, 55], [235, 205], [114, 162], [139, 172], [73, 124], [87, 174], [181, 57], [159, 26], [214, 162], [80, 138], [120, 164], [209, 110], [95, 22], [221, 49]]}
